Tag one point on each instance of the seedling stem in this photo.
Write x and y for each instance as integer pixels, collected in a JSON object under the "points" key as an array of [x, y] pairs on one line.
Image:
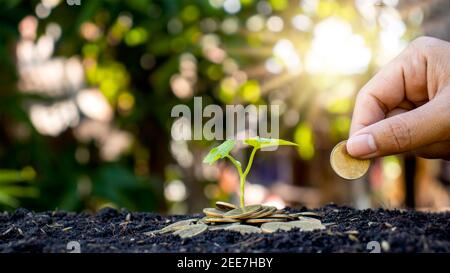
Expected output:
{"points": [[225, 148]]}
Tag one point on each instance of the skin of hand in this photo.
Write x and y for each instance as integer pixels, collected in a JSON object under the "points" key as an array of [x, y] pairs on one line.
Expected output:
{"points": [[405, 107]]}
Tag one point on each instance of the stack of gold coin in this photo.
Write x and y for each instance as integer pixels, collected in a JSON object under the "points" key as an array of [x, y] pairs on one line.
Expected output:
{"points": [[248, 219], [253, 214], [265, 219]]}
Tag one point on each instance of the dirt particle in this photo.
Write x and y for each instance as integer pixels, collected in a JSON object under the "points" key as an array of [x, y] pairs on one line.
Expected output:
{"points": [[410, 232]]}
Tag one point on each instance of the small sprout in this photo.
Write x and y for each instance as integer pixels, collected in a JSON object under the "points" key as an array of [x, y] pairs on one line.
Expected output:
{"points": [[224, 149]]}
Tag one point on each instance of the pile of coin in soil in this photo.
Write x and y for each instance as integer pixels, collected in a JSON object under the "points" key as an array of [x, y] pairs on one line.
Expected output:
{"points": [[249, 219]]}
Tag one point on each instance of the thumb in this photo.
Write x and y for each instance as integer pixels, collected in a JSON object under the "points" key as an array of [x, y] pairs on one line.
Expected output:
{"points": [[422, 126]]}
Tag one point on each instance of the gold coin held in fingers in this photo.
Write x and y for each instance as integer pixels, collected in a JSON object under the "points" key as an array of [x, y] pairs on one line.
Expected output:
{"points": [[345, 165]]}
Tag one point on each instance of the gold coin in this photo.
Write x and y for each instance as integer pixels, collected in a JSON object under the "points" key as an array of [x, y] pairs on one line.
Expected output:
{"points": [[294, 215], [242, 212], [262, 213], [304, 214], [264, 209], [269, 211], [222, 226], [263, 220], [345, 165], [306, 225], [173, 227], [212, 212], [202, 220], [275, 226], [225, 206], [243, 229], [220, 220], [280, 216], [191, 231], [309, 219], [309, 214]]}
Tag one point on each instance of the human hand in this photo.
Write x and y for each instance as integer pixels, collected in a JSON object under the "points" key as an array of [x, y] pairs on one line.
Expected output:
{"points": [[406, 105]]}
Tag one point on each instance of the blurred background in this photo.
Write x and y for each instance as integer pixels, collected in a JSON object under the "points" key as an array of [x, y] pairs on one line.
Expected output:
{"points": [[86, 90]]}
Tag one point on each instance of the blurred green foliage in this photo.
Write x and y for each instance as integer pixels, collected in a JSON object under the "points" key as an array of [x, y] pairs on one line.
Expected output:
{"points": [[133, 51]]}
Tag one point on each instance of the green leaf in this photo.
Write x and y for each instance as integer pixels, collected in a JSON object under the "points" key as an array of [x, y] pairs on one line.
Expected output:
{"points": [[8, 200], [260, 142], [219, 152]]}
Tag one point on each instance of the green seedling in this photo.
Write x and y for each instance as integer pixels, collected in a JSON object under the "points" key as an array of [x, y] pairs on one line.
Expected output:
{"points": [[224, 149]]}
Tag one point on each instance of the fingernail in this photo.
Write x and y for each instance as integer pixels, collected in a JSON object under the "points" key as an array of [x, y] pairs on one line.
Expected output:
{"points": [[361, 145]]}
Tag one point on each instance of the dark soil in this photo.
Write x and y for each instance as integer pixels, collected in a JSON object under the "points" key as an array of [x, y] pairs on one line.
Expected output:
{"points": [[108, 231]]}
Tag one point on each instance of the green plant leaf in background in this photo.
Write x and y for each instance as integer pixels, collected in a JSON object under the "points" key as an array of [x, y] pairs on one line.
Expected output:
{"points": [[14, 184], [259, 142], [117, 185], [220, 151]]}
